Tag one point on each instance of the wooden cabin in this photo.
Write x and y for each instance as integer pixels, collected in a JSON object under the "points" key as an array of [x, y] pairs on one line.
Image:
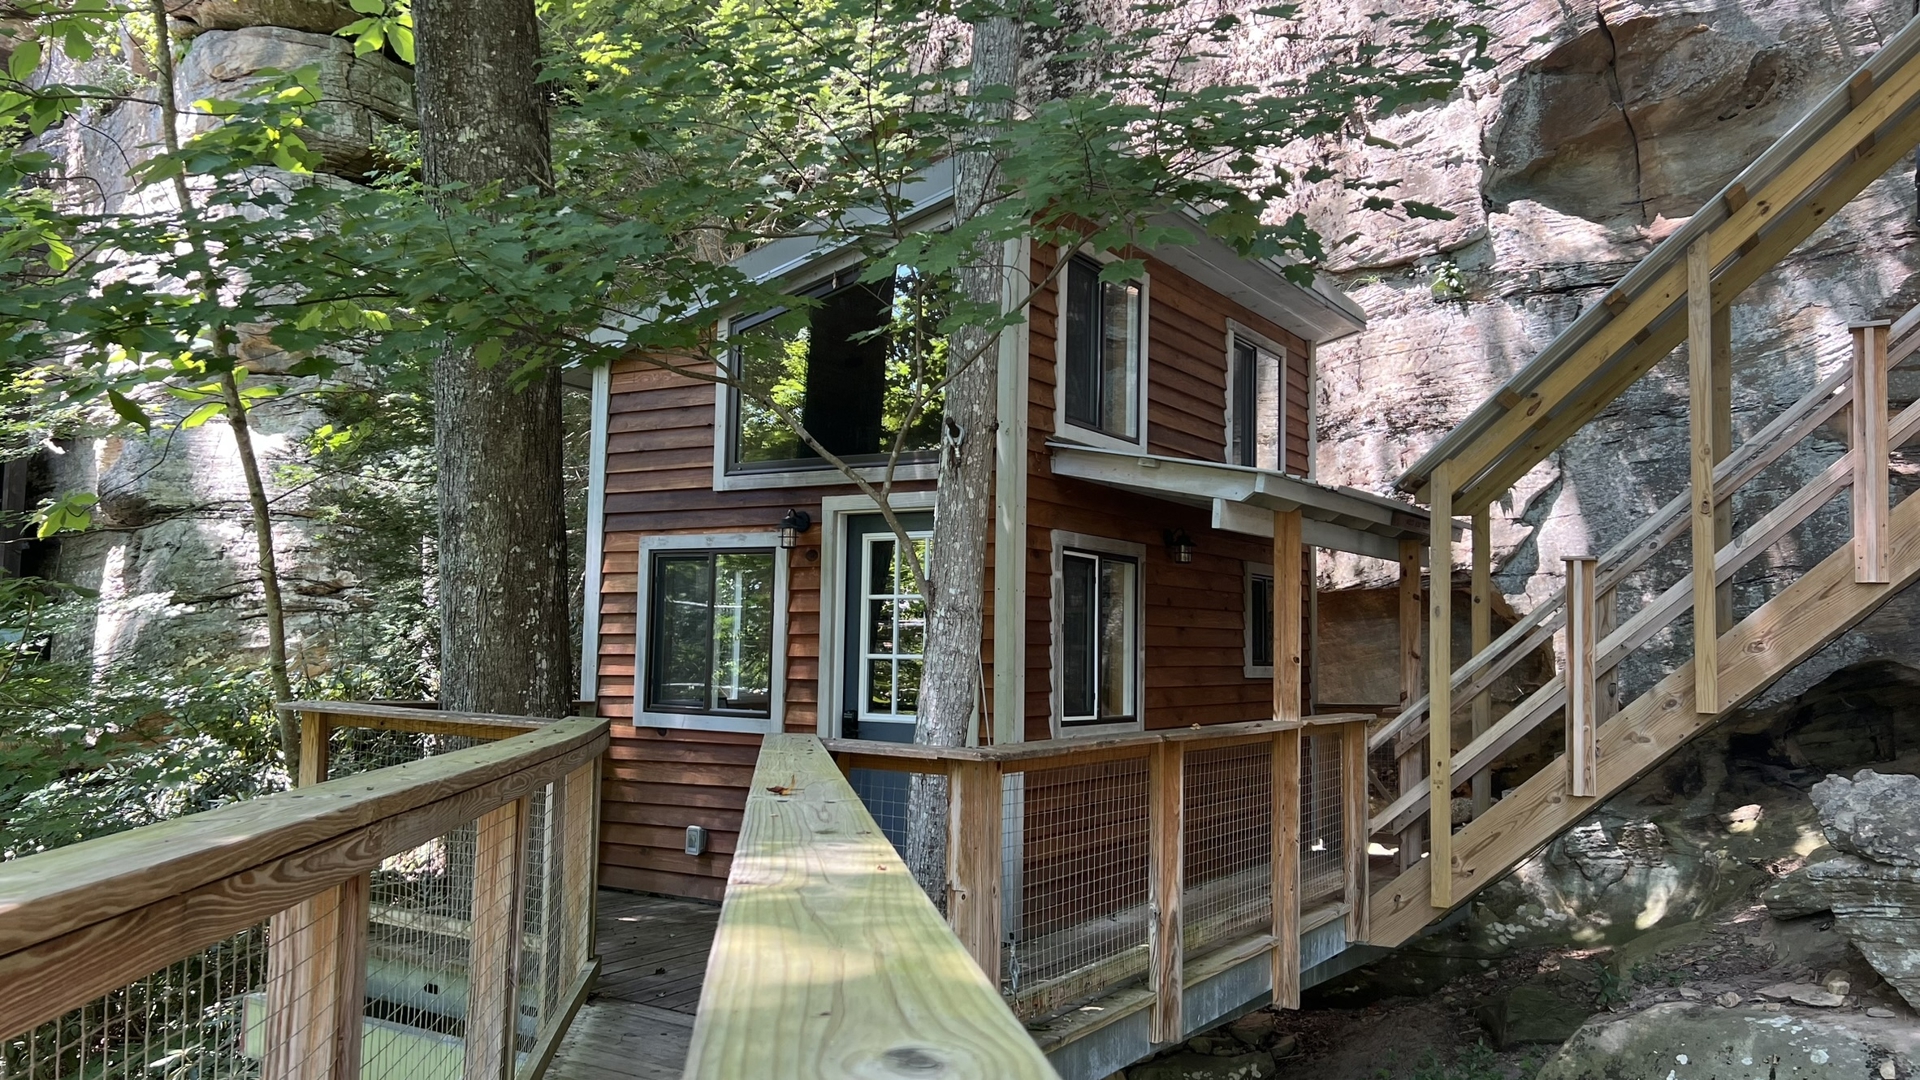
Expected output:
{"points": [[1166, 419]]}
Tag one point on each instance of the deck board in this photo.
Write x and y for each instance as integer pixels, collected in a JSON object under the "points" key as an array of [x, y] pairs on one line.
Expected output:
{"points": [[636, 1022]]}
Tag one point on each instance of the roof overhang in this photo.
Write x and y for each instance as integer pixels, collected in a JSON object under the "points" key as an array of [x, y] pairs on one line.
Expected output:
{"points": [[1319, 314], [1244, 500]]}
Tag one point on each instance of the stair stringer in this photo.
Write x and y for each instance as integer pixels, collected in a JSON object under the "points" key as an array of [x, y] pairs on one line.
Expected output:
{"points": [[1807, 615]]}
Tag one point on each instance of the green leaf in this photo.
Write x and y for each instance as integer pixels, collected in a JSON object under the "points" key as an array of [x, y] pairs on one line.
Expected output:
{"points": [[488, 352], [201, 415], [369, 7], [128, 411], [401, 37], [78, 48], [24, 61]]}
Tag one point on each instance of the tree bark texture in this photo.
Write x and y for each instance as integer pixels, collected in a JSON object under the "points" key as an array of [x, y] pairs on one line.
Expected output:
{"points": [[953, 692], [505, 644]]}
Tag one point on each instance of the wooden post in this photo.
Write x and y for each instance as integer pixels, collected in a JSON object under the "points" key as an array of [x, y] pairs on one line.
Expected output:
{"points": [[493, 1006], [1354, 812], [1869, 430], [315, 731], [1409, 752], [1287, 593], [1482, 631], [1166, 832], [316, 986], [973, 861], [1722, 446], [578, 848], [1440, 693], [1700, 415], [1606, 617], [1582, 687], [1286, 869]]}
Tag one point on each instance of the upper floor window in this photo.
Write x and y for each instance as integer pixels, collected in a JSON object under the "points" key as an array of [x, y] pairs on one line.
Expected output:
{"points": [[710, 630], [847, 369], [1102, 351], [1256, 405]]}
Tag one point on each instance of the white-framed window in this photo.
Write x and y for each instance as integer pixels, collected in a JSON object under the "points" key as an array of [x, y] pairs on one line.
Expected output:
{"points": [[711, 642], [1101, 349], [1098, 648], [1259, 621], [844, 367], [893, 629], [1256, 401]]}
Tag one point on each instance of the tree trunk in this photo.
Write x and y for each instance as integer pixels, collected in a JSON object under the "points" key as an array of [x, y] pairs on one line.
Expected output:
{"points": [[504, 638], [953, 694]]}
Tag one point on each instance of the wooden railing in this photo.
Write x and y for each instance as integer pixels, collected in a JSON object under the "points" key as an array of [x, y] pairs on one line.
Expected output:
{"points": [[378, 922], [1076, 868], [1618, 605], [829, 960]]}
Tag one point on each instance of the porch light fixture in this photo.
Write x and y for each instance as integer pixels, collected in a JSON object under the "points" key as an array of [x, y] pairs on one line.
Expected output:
{"points": [[791, 526], [1180, 545]]}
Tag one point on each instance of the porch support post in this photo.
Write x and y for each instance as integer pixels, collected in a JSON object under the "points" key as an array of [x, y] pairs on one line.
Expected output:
{"points": [[316, 986], [1409, 752], [973, 861], [1869, 430], [1286, 868], [1582, 686], [1700, 385], [1482, 636], [1440, 693], [493, 1008], [1722, 446], [1355, 811], [1288, 591], [316, 728], [1166, 834]]}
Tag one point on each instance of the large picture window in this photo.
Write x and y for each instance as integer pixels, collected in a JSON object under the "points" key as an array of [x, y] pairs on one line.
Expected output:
{"points": [[1256, 413], [846, 368], [1099, 624], [710, 625], [1102, 351]]}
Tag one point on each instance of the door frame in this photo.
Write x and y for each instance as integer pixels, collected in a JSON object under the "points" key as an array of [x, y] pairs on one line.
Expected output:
{"points": [[834, 512]]}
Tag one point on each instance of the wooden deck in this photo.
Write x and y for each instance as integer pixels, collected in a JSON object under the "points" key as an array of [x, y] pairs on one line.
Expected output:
{"points": [[635, 1024]]}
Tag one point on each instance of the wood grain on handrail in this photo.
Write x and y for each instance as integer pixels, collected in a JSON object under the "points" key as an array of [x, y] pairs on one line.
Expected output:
{"points": [[1018, 756], [425, 717], [830, 961]]}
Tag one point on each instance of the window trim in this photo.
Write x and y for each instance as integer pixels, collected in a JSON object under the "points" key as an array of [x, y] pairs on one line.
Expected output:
{"points": [[643, 633], [1064, 429], [834, 511], [1062, 541], [1236, 333], [914, 465], [1251, 571]]}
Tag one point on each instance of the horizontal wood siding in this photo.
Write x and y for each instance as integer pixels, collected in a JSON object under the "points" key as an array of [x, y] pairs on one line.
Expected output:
{"points": [[1194, 613], [658, 781]]}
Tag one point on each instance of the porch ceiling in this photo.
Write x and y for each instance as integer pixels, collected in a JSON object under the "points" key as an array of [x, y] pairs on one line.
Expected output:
{"points": [[1243, 499]]}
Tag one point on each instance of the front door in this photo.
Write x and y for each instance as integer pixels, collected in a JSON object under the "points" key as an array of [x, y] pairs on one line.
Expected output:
{"points": [[885, 633]]}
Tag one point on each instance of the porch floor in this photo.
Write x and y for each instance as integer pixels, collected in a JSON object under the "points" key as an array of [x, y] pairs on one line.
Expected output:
{"points": [[636, 1022]]}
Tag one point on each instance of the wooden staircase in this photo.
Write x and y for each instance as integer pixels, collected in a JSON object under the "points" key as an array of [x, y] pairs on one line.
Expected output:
{"points": [[1619, 604]]}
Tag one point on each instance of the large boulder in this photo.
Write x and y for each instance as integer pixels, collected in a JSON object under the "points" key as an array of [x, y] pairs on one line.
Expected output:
{"points": [[1685, 1041], [1532, 1013], [1873, 816], [312, 16]]}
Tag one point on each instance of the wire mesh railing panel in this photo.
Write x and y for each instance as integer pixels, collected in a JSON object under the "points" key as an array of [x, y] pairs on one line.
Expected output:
{"points": [[889, 796], [190, 1018], [354, 750], [419, 946], [543, 911], [1322, 826], [1081, 834], [1228, 843]]}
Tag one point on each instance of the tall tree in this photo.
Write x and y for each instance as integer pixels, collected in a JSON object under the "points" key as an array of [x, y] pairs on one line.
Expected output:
{"points": [[504, 639]]}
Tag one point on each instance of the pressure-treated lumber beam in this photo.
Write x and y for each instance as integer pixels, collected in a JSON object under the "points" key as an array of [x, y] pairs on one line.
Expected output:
{"points": [[316, 986], [1286, 869], [315, 731], [1166, 833], [1582, 711], [1700, 423], [1606, 618], [493, 969], [1354, 806], [1481, 597], [1869, 434], [1795, 624], [973, 861], [1440, 689], [1722, 362], [1411, 753], [1288, 590]]}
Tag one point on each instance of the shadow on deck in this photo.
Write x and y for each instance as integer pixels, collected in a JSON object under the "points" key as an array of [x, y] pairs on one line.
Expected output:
{"points": [[636, 1022]]}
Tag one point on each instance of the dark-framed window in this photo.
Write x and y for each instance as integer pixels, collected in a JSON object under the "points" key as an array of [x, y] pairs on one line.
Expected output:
{"points": [[1259, 621], [1104, 321], [709, 639], [844, 366], [1257, 382], [1099, 638]]}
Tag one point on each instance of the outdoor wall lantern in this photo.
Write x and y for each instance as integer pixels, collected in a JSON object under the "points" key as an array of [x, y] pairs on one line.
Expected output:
{"points": [[1180, 545], [791, 526]]}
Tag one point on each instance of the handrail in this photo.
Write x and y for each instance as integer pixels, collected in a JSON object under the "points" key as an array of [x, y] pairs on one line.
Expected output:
{"points": [[1084, 746], [829, 960], [1842, 131], [88, 919]]}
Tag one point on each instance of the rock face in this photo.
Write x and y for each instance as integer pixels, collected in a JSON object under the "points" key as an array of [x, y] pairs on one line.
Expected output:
{"points": [[1873, 816], [1684, 1041], [1872, 887], [1604, 126]]}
